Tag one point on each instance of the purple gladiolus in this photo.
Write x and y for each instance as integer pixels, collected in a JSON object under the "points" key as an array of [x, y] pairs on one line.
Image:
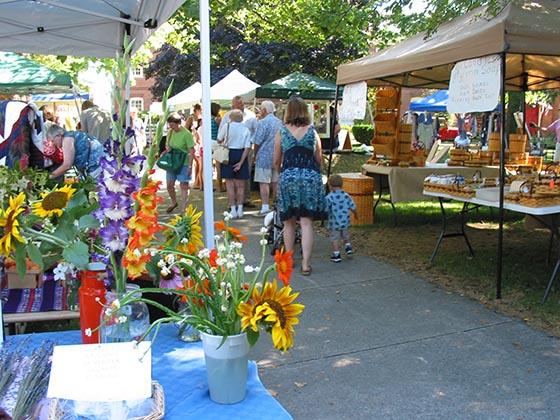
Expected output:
{"points": [[116, 206], [114, 235]]}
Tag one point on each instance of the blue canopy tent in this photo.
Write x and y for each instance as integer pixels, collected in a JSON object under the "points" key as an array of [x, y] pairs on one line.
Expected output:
{"points": [[56, 97], [436, 102]]}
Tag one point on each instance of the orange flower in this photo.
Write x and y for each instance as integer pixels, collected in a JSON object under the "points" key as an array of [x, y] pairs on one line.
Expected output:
{"points": [[233, 233], [196, 288], [213, 257], [135, 263], [284, 265], [147, 196]]}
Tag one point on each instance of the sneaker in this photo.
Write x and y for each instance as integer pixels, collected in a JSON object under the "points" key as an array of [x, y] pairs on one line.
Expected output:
{"points": [[233, 212], [239, 212], [348, 249], [335, 257], [263, 212]]}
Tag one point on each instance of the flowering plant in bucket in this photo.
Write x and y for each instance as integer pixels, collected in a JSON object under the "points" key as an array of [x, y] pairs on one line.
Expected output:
{"points": [[226, 296]]}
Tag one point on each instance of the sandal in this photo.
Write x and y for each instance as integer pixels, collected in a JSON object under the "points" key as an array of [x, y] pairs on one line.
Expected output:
{"points": [[305, 272], [172, 207]]}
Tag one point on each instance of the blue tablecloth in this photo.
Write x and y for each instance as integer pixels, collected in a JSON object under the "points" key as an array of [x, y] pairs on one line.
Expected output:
{"points": [[179, 367]]}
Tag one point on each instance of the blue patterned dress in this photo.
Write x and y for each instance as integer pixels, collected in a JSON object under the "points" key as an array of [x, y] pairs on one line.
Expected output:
{"points": [[300, 187]]}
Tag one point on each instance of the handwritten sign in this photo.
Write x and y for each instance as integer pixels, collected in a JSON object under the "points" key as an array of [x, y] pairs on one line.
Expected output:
{"points": [[354, 99], [101, 372], [475, 85]]}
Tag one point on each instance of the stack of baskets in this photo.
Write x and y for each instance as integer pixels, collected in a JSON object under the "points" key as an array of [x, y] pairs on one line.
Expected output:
{"points": [[385, 133], [539, 192], [458, 157], [360, 188], [405, 142], [449, 184]]}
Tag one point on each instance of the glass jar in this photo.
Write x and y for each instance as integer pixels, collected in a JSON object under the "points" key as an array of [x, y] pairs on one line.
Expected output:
{"points": [[123, 323], [187, 332]]}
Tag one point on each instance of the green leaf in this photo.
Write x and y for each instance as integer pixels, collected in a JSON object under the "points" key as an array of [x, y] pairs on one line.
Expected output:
{"points": [[35, 255], [78, 199], [88, 222], [65, 230], [252, 336], [21, 261], [77, 253]]}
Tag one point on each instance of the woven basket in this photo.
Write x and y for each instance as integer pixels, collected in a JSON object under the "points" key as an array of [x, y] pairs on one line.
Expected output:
{"points": [[56, 412], [494, 142], [356, 183], [404, 146], [364, 210], [536, 162], [386, 98], [517, 143], [385, 126], [406, 128]]}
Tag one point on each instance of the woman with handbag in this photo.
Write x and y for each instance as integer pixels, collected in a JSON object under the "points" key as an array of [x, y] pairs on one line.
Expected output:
{"points": [[179, 139], [237, 137]]}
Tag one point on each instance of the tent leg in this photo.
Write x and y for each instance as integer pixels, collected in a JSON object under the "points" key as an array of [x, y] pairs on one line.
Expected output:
{"points": [[333, 125], [502, 178], [204, 12]]}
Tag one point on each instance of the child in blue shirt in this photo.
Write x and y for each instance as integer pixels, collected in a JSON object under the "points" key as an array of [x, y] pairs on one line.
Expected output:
{"points": [[339, 206]]}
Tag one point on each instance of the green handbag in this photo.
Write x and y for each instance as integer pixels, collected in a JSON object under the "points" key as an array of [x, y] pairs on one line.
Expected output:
{"points": [[173, 160]]}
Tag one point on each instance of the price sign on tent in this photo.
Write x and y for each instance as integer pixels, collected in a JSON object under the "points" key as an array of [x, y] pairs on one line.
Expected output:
{"points": [[475, 85]]}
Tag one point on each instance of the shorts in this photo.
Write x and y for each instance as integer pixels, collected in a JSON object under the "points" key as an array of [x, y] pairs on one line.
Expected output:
{"points": [[266, 175], [337, 234], [184, 175], [234, 157]]}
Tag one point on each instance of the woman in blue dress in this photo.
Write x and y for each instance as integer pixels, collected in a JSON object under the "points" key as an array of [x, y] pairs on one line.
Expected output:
{"points": [[301, 194]]}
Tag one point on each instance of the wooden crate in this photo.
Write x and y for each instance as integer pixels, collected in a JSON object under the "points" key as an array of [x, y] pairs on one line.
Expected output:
{"points": [[384, 149], [356, 183], [386, 98], [31, 280], [383, 139]]}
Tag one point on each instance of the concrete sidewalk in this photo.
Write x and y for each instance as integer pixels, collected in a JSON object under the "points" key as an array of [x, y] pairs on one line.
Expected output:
{"points": [[375, 342]]}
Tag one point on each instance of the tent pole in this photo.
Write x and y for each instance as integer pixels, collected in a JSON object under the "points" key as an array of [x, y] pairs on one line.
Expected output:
{"points": [[333, 125], [502, 176], [204, 12]]}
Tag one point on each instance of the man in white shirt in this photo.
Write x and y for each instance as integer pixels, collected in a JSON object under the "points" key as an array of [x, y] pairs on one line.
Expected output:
{"points": [[95, 121]]}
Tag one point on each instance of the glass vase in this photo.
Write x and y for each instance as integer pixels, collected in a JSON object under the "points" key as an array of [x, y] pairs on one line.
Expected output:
{"points": [[187, 332], [123, 323]]}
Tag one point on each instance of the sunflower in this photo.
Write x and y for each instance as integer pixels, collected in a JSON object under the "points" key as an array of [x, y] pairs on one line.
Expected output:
{"points": [[53, 203], [233, 233], [10, 224], [187, 228], [274, 308], [284, 265]]}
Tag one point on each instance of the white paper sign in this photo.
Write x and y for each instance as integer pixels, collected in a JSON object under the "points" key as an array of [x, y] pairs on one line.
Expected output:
{"points": [[475, 85], [101, 372], [354, 99]]}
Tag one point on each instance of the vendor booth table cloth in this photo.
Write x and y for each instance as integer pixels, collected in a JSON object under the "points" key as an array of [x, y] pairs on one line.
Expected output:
{"points": [[180, 368], [406, 184]]}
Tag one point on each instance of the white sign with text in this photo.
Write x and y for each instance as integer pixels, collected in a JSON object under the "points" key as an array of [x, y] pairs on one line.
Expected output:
{"points": [[102, 372], [354, 100], [475, 85]]}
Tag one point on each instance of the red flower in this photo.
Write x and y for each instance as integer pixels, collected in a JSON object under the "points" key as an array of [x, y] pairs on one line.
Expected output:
{"points": [[213, 257]]}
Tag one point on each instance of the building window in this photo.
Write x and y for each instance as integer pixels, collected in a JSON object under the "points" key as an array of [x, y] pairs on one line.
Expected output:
{"points": [[138, 72], [137, 103]]}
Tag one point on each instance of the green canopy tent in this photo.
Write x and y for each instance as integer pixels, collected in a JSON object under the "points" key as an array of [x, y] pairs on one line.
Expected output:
{"points": [[306, 85], [19, 75]]}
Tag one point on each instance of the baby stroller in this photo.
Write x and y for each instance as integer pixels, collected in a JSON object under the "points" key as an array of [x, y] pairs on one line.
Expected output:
{"points": [[275, 233]]}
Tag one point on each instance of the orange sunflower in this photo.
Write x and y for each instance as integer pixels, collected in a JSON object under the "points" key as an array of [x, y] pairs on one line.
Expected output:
{"points": [[274, 308], [284, 265], [233, 233]]}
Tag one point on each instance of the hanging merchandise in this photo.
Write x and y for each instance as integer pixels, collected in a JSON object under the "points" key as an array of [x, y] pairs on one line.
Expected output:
{"points": [[354, 99]]}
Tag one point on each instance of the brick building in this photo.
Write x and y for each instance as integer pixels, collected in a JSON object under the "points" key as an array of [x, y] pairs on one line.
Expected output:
{"points": [[140, 95]]}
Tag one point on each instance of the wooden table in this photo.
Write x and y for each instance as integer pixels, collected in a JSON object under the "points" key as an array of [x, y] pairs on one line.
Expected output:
{"points": [[469, 204], [17, 321]]}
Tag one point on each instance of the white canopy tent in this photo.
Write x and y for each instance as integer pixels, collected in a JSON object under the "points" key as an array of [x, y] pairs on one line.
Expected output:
{"points": [[187, 97], [234, 84], [83, 28]]}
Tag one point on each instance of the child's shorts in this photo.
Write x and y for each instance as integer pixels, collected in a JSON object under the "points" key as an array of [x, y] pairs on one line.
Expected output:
{"points": [[337, 234]]}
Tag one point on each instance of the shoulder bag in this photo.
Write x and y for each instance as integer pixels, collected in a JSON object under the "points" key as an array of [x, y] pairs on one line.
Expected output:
{"points": [[220, 151], [173, 160]]}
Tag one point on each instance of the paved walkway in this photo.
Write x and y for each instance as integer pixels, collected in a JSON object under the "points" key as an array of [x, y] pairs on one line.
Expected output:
{"points": [[377, 343]]}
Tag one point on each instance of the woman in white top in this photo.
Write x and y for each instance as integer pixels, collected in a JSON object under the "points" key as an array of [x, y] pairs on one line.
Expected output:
{"points": [[238, 139]]}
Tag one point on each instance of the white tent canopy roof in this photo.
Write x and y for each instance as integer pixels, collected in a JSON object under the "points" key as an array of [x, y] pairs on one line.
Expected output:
{"points": [[81, 28], [187, 97], [234, 84]]}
